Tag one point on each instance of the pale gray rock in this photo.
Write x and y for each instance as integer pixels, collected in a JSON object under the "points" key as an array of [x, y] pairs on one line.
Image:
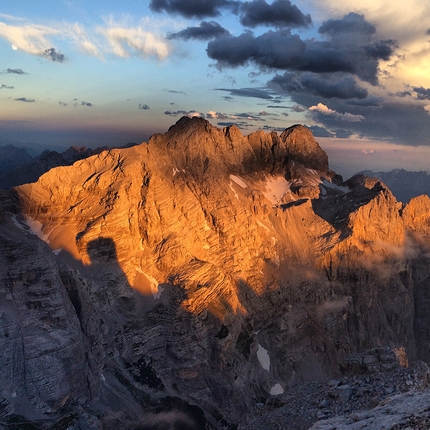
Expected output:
{"points": [[409, 410]]}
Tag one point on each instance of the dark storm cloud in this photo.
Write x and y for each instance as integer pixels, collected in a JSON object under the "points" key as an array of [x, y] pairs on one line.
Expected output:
{"points": [[205, 31], [247, 92], [351, 47], [25, 99], [401, 94], [16, 71], [142, 106], [422, 93], [406, 123], [328, 86], [193, 8], [341, 133], [318, 131], [370, 101], [381, 50], [349, 26], [249, 116], [403, 123], [243, 125], [355, 38], [6, 87], [274, 49], [53, 55], [280, 13], [297, 108], [271, 128]]}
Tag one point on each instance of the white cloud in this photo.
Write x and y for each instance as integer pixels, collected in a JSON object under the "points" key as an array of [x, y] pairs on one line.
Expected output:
{"points": [[216, 115], [195, 114], [30, 38], [80, 37], [122, 39], [127, 41], [322, 108]]}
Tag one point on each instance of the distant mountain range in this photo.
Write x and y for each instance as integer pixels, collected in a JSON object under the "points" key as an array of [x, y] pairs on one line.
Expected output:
{"points": [[18, 165], [33, 149], [402, 183]]}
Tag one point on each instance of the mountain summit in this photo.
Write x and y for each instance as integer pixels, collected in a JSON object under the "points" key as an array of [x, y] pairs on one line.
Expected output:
{"points": [[198, 276]]}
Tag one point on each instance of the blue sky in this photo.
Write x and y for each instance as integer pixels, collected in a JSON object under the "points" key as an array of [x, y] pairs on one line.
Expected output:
{"points": [[96, 73]]}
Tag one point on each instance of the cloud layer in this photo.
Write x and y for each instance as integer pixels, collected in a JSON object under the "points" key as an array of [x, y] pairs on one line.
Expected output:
{"points": [[111, 38], [346, 69]]}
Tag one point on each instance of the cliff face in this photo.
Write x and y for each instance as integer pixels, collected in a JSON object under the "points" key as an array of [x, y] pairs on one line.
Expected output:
{"points": [[203, 272]]}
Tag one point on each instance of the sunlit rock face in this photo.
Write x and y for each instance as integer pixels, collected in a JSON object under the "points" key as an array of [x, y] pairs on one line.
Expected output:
{"points": [[204, 272]]}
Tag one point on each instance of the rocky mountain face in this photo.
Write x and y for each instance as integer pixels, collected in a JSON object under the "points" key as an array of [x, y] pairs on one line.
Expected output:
{"points": [[17, 167], [198, 279]]}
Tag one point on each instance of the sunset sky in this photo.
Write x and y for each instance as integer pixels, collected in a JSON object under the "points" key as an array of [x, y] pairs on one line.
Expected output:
{"points": [[92, 73]]}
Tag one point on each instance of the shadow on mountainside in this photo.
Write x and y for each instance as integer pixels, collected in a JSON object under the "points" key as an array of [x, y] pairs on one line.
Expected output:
{"points": [[131, 393]]}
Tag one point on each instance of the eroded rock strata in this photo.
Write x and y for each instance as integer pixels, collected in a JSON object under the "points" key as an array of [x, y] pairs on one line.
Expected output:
{"points": [[197, 277]]}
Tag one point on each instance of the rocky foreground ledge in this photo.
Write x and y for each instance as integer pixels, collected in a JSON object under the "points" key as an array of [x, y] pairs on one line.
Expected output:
{"points": [[382, 393]]}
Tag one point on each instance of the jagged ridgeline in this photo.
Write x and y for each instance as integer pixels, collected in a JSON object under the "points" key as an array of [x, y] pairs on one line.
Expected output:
{"points": [[197, 279]]}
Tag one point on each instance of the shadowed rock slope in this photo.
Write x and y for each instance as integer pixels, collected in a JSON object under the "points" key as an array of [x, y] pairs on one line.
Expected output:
{"points": [[196, 277]]}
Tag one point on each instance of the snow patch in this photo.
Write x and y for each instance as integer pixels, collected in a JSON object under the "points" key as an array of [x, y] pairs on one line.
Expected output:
{"points": [[18, 224], [234, 191], [262, 225], [156, 288], [175, 170], [36, 228], [263, 357], [276, 188], [332, 186], [238, 181], [276, 389]]}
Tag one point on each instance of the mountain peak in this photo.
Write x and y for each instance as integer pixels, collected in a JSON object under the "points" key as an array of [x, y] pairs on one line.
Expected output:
{"points": [[302, 146], [207, 267]]}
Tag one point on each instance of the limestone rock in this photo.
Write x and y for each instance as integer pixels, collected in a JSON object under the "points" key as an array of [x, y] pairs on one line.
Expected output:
{"points": [[301, 146], [205, 272]]}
